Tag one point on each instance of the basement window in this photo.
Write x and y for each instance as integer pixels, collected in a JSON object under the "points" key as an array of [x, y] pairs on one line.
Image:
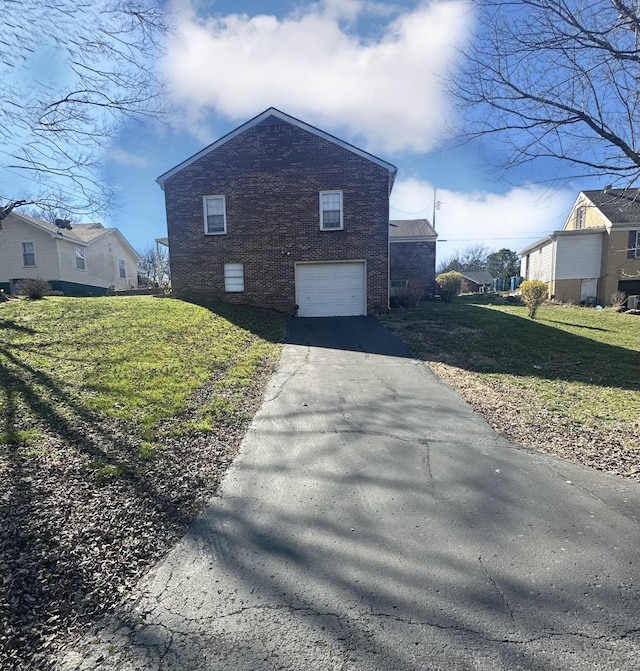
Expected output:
{"points": [[233, 277]]}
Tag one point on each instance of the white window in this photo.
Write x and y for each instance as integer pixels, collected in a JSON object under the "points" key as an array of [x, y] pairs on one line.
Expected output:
{"points": [[215, 215], [78, 253], [122, 269], [28, 253], [233, 277], [330, 210], [581, 215]]}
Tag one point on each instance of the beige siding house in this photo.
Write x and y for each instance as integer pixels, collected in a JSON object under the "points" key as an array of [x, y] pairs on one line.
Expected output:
{"points": [[83, 260], [596, 254]]}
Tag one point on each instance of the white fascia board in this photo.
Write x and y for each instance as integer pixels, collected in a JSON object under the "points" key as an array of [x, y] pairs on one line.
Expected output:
{"points": [[416, 238], [272, 111]]}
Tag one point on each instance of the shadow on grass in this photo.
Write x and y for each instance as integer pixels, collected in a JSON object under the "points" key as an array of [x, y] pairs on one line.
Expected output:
{"points": [[266, 324], [482, 340], [11, 325], [50, 576], [82, 513]]}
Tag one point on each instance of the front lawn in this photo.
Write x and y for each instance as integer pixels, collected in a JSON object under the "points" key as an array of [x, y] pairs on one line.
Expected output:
{"points": [[567, 382], [118, 417]]}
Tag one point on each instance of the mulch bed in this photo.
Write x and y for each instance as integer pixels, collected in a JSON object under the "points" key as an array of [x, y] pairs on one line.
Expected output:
{"points": [[74, 541]]}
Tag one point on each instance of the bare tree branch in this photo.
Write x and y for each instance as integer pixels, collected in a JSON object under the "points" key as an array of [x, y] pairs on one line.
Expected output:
{"points": [[556, 79], [70, 74]]}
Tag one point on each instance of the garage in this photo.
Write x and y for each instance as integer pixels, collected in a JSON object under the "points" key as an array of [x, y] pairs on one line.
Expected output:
{"points": [[335, 289]]}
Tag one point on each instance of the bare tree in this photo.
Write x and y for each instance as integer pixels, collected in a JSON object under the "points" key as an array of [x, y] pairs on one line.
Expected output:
{"points": [[557, 79], [471, 258], [71, 72], [154, 263]]}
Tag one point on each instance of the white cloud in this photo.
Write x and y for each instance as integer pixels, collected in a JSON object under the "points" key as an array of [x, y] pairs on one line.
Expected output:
{"points": [[124, 157], [511, 220], [386, 92]]}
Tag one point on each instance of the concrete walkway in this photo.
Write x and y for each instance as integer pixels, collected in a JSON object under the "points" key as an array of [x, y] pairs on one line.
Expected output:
{"points": [[374, 521]]}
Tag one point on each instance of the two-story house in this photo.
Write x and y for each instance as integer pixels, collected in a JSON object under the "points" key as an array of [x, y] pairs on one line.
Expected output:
{"points": [[282, 215], [77, 259], [596, 254]]}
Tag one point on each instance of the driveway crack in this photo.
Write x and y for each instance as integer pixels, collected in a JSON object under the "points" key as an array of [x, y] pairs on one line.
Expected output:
{"points": [[504, 599]]}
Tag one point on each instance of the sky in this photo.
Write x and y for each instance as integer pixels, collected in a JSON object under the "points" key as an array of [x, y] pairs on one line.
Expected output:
{"points": [[369, 72]]}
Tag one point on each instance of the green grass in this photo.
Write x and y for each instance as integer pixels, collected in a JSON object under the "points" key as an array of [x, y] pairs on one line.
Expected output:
{"points": [[581, 364], [136, 361]]}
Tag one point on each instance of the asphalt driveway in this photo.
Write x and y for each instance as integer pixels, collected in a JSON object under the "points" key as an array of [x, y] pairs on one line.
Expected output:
{"points": [[374, 521]]}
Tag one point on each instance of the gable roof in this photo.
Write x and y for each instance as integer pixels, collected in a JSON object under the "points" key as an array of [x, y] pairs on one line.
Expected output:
{"points": [[477, 276], [273, 112], [619, 206], [82, 234], [411, 230]]}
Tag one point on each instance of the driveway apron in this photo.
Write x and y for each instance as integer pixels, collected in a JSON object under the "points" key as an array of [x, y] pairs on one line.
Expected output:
{"points": [[374, 521]]}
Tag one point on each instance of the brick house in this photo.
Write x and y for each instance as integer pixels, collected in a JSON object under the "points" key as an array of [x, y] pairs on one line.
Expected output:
{"points": [[282, 215], [412, 255]]}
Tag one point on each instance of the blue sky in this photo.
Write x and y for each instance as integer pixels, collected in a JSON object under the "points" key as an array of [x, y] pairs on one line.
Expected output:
{"points": [[371, 73]]}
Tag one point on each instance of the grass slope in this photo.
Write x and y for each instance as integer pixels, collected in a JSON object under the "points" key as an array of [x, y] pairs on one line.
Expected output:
{"points": [[567, 382], [118, 417]]}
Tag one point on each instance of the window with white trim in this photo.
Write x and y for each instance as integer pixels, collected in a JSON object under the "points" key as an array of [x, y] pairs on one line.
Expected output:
{"points": [[78, 255], [233, 277], [28, 253], [331, 210], [122, 269], [215, 215], [633, 247], [581, 216]]}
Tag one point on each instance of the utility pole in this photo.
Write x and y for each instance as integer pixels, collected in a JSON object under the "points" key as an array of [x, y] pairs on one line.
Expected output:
{"points": [[436, 206]]}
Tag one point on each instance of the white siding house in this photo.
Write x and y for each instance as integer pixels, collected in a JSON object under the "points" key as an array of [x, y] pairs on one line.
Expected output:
{"points": [[578, 256], [86, 259], [596, 254]]}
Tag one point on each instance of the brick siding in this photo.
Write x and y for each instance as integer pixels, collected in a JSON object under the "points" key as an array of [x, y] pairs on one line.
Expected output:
{"points": [[414, 261], [271, 175]]}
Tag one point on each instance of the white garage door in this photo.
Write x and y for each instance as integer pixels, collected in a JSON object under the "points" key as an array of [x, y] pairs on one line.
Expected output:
{"points": [[331, 289]]}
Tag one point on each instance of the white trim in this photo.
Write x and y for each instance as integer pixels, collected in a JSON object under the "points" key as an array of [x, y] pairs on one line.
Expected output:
{"points": [[331, 193], [233, 278], [363, 262], [76, 249], [224, 215], [124, 263], [272, 111], [22, 253]]}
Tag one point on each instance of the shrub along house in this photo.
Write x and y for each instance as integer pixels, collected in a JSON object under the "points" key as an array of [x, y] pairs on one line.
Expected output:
{"points": [[596, 254], [77, 259], [282, 215]]}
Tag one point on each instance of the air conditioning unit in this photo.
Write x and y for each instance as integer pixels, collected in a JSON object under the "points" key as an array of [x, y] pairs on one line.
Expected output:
{"points": [[633, 302]]}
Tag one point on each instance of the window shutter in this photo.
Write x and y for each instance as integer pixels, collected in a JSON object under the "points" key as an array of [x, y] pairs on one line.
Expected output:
{"points": [[631, 245]]}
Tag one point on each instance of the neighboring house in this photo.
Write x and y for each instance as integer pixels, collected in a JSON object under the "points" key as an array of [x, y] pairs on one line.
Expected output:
{"points": [[596, 254], [77, 259], [412, 255], [282, 215], [476, 281]]}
